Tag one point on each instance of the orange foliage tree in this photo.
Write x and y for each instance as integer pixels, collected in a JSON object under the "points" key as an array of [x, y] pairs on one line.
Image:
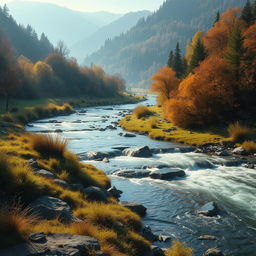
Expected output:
{"points": [[165, 84], [204, 97], [217, 37]]}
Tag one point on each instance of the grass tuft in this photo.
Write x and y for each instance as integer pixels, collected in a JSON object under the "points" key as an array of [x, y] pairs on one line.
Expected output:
{"points": [[50, 145], [249, 146], [238, 132], [179, 249], [142, 111]]}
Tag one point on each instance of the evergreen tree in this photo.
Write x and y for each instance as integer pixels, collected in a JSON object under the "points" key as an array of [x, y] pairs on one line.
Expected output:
{"points": [[217, 17], [254, 11], [170, 60], [177, 62], [235, 50], [247, 13], [199, 55]]}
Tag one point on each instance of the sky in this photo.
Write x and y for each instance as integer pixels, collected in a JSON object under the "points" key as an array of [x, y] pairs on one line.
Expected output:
{"points": [[117, 6]]}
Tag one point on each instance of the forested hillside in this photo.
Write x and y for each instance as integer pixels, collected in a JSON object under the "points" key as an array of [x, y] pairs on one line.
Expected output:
{"points": [[24, 39], [137, 54]]}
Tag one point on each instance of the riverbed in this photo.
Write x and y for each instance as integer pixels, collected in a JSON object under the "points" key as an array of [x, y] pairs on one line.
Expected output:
{"points": [[172, 205]]}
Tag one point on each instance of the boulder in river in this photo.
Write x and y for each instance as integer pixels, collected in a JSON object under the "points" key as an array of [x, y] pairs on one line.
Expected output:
{"points": [[206, 237], [156, 251], [210, 209], [50, 208], [149, 235], [96, 194], [167, 174], [127, 135], [138, 152], [130, 174], [116, 193], [135, 207], [214, 252], [239, 151]]}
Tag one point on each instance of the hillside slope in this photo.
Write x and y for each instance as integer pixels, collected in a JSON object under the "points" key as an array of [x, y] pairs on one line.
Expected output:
{"points": [[137, 54], [92, 43]]}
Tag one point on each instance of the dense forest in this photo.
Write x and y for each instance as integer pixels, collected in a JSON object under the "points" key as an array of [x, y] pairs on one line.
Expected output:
{"points": [[24, 39], [215, 82], [137, 54]]}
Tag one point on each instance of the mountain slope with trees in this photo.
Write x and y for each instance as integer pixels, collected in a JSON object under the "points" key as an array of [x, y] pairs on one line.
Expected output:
{"points": [[24, 39], [137, 54]]}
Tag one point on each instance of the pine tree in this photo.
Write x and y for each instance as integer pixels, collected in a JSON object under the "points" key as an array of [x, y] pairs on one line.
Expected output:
{"points": [[235, 50], [199, 55], [254, 11], [177, 62], [247, 13], [217, 17], [170, 60]]}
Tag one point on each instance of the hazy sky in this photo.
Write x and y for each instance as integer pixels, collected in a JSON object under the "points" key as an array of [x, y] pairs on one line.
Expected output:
{"points": [[105, 5]]}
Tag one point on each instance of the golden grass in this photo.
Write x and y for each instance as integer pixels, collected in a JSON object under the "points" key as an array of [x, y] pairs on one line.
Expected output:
{"points": [[179, 249], [50, 145], [142, 111], [238, 132], [159, 130], [249, 146], [15, 222]]}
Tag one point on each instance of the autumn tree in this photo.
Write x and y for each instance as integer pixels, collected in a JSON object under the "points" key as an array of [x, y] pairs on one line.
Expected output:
{"points": [[9, 71], [165, 84]]}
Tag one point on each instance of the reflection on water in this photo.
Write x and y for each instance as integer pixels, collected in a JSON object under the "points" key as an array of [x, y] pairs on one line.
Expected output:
{"points": [[172, 205]]}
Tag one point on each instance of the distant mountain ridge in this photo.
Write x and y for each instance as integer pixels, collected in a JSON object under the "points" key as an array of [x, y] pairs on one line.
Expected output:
{"points": [[60, 23], [137, 54], [115, 28]]}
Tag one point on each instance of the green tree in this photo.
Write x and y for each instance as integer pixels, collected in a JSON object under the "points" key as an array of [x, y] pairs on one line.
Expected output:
{"points": [[247, 13], [177, 62], [170, 59], [217, 17], [198, 55], [235, 50], [254, 11]]}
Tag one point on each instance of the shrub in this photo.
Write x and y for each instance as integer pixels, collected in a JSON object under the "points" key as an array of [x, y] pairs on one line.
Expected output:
{"points": [[249, 146], [179, 249], [153, 123], [238, 132], [142, 111], [14, 224], [50, 145]]}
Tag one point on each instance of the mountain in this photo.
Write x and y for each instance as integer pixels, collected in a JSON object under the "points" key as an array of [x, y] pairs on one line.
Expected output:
{"points": [[60, 23], [137, 54], [115, 28], [24, 39]]}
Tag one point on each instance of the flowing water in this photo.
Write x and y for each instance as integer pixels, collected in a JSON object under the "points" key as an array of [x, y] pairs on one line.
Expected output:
{"points": [[172, 205]]}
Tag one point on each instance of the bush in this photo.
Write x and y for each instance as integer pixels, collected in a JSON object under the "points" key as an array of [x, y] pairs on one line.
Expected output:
{"points": [[249, 146], [142, 111], [238, 132], [153, 123], [179, 249], [50, 145]]}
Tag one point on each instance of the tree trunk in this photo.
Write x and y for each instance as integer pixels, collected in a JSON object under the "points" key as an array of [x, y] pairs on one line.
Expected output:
{"points": [[7, 103]]}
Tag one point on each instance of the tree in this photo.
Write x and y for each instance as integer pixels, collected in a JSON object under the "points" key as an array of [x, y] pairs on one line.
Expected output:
{"points": [[235, 50], [62, 49], [165, 84], [254, 11], [170, 60], [199, 55], [217, 17], [9, 71], [247, 13], [177, 62]]}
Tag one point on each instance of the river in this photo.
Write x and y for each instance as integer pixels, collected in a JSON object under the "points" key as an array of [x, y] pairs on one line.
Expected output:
{"points": [[172, 205]]}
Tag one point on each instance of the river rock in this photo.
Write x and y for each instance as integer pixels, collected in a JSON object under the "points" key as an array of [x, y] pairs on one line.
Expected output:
{"points": [[138, 152], [148, 234], [213, 252], [222, 153], [239, 151], [127, 135], [206, 237], [45, 174], [61, 183], [135, 207], [96, 194], [164, 239], [58, 131], [157, 251], [210, 209], [33, 164], [130, 174], [50, 208], [113, 191], [167, 174]]}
